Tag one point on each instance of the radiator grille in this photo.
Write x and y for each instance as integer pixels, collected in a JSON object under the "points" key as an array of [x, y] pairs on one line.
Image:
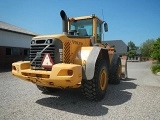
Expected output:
{"points": [[37, 48], [66, 57]]}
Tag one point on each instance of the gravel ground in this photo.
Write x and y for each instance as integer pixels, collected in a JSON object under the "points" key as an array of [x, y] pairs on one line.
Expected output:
{"points": [[138, 98]]}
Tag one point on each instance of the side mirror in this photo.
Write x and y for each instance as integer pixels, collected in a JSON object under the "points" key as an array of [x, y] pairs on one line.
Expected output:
{"points": [[105, 27]]}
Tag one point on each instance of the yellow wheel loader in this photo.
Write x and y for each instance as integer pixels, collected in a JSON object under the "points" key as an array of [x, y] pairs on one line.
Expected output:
{"points": [[76, 58]]}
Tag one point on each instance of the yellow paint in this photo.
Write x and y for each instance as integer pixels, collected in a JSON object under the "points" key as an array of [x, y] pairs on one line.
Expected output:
{"points": [[82, 55], [103, 79], [57, 77]]}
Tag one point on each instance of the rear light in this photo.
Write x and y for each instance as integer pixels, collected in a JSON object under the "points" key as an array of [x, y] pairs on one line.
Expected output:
{"points": [[13, 68], [70, 72]]}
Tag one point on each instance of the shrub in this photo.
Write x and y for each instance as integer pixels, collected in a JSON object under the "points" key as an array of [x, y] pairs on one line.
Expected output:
{"points": [[155, 50], [155, 68]]}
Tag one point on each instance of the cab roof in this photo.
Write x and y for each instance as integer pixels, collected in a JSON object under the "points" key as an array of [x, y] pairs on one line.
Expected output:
{"points": [[86, 17]]}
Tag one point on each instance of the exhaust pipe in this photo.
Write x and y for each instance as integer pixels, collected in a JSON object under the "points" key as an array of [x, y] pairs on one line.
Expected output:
{"points": [[64, 22]]}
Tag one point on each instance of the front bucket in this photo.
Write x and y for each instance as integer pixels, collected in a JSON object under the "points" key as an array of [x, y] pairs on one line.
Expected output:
{"points": [[124, 74]]}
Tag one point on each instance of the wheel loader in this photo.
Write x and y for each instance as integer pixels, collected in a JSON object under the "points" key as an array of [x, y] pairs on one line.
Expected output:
{"points": [[74, 59]]}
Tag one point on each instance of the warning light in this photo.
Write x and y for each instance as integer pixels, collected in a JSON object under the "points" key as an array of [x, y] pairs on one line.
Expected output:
{"points": [[70, 72]]}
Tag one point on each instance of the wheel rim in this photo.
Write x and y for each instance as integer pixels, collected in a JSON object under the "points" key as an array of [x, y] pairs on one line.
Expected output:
{"points": [[103, 79]]}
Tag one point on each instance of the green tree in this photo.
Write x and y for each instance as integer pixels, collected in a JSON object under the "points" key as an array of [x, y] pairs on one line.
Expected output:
{"points": [[131, 46], [132, 49], [146, 47], [131, 53], [156, 50]]}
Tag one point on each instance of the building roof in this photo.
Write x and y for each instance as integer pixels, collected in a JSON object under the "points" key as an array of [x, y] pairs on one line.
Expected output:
{"points": [[12, 28], [120, 46]]}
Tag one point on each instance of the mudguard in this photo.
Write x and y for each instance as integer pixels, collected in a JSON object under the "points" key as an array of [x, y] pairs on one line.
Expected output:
{"points": [[89, 69]]}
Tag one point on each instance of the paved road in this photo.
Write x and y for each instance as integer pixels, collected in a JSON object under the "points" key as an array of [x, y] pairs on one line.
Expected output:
{"points": [[138, 98]]}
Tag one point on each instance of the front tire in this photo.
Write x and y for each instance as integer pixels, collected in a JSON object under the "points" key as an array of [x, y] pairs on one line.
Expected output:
{"points": [[95, 89]]}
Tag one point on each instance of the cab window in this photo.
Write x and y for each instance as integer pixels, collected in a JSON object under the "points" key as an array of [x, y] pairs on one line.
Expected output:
{"points": [[83, 27]]}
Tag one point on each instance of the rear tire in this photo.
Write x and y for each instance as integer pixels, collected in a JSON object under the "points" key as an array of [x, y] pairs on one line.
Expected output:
{"points": [[115, 72], [95, 89], [46, 89]]}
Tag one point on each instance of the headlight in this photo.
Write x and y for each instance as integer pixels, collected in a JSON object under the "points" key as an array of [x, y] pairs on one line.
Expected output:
{"points": [[33, 42], [49, 41]]}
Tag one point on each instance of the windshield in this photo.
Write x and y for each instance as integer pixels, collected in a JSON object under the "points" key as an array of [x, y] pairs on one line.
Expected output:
{"points": [[83, 27]]}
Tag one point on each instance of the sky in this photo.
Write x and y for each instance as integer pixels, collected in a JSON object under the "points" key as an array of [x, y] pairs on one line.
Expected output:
{"points": [[128, 20]]}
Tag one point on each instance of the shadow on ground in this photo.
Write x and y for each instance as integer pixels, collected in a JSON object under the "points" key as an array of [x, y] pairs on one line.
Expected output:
{"points": [[130, 79], [71, 100], [2, 70]]}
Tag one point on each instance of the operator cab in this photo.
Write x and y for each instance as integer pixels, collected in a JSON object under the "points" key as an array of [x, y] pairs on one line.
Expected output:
{"points": [[87, 26]]}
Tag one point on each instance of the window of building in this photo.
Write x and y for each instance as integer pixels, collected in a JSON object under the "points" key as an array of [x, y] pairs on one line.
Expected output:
{"points": [[8, 51], [15, 51], [120, 55], [12, 51], [26, 52]]}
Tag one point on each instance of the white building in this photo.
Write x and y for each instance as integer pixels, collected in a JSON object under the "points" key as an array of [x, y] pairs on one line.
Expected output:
{"points": [[14, 44]]}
